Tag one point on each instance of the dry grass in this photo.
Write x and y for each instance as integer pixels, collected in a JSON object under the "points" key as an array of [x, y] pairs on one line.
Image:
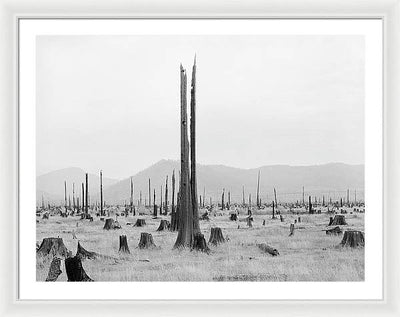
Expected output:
{"points": [[309, 255]]}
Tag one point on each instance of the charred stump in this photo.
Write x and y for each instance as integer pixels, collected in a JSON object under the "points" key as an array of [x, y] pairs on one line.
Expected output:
{"points": [[123, 244], [54, 270], [146, 241], [339, 220], [140, 223], [164, 225], [199, 243], [233, 217], [75, 271], [53, 247], [216, 236], [334, 231], [82, 253], [353, 239], [266, 248]]}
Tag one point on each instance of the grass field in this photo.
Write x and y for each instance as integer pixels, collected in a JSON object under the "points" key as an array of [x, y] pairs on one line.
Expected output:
{"points": [[308, 255]]}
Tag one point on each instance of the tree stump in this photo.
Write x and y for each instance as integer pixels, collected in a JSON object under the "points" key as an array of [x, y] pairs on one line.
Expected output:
{"points": [[299, 220], [199, 243], [111, 224], [339, 220], [205, 216], [216, 236], [53, 247], [54, 270], [140, 223], [75, 271], [123, 244], [146, 241], [264, 222], [233, 217], [353, 239], [45, 216], [82, 253], [291, 229], [266, 248], [334, 231], [281, 218], [164, 225], [249, 222]]}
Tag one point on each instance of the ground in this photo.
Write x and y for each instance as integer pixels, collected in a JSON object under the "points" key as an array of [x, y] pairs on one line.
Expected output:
{"points": [[308, 255]]}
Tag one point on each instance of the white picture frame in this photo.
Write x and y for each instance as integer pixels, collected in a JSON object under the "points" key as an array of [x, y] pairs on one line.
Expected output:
{"points": [[11, 12]]}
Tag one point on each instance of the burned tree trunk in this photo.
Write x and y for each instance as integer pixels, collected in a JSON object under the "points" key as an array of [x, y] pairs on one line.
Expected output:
{"points": [[164, 225], [353, 239], [266, 248], [216, 236], [146, 241], [185, 232], [123, 244], [53, 247], [54, 270], [199, 243], [140, 223], [75, 271]]}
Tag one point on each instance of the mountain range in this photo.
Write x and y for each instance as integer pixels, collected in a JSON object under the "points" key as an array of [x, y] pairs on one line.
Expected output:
{"points": [[331, 180]]}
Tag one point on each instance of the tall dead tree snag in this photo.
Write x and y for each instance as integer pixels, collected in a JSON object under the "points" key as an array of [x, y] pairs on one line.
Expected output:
{"points": [[174, 218], [131, 200], [83, 198], [65, 196], [87, 195], [310, 210], [166, 197], [101, 193], [258, 190], [223, 199], [189, 226], [149, 194]]}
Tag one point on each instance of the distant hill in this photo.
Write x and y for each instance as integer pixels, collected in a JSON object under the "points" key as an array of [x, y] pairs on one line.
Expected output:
{"points": [[51, 185], [331, 180]]}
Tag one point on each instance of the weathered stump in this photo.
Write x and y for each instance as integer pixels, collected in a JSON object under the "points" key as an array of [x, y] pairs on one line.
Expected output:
{"points": [[266, 248], [216, 236], [53, 247], [164, 225], [54, 270], [233, 217], [123, 244], [82, 253], [281, 218], [146, 241], [334, 231], [199, 243], [249, 221], [111, 224], [299, 220], [291, 229], [140, 223], [205, 216], [75, 271], [353, 239], [339, 220]]}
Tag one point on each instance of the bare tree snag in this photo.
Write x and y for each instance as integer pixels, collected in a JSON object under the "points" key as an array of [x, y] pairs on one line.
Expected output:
{"points": [[249, 221], [149, 194], [75, 271], [123, 244], [199, 243], [140, 223], [216, 236], [223, 199], [131, 200], [258, 190], [310, 210], [101, 193], [53, 247], [83, 198], [266, 248], [54, 270], [146, 241], [87, 195], [164, 225], [276, 200], [273, 210], [353, 239], [166, 197], [65, 196]]}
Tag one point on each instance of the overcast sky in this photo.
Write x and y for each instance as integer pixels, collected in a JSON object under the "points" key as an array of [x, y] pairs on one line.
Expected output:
{"points": [[112, 102]]}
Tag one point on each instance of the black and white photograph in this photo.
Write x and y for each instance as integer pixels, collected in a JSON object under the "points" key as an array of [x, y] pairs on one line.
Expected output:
{"points": [[222, 158]]}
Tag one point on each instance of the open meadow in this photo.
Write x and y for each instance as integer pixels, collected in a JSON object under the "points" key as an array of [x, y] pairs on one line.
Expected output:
{"points": [[307, 255]]}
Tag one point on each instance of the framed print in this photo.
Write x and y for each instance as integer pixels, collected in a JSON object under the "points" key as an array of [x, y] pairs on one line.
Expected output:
{"points": [[225, 160]]}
